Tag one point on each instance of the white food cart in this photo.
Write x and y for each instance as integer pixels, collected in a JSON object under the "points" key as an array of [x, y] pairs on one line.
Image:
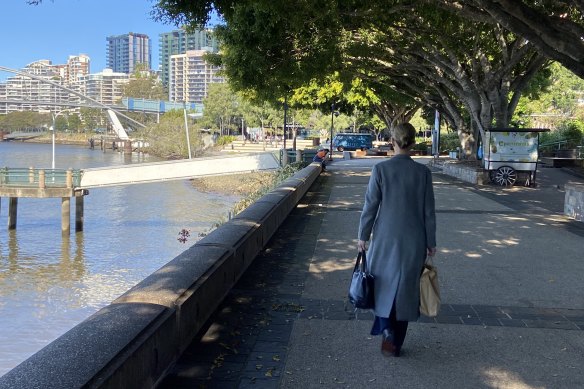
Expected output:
{"points": [[511, 154]]}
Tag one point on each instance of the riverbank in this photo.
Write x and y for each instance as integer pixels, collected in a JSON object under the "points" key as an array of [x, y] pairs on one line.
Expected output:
{"points": [[235, 184]]}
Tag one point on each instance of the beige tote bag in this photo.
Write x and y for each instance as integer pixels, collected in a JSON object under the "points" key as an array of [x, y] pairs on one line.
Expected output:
{"points": [[429, 291]]}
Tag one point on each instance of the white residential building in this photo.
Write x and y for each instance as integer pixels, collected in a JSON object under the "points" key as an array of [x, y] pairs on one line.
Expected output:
{"points": [[33, 94], [105, 87], [190, 76]]}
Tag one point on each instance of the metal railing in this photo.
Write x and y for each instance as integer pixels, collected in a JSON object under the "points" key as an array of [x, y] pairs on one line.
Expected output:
{"points": [[39, 178]]}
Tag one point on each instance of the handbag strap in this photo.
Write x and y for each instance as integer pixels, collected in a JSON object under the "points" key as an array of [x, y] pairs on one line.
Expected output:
{"points": [[361, 260]]}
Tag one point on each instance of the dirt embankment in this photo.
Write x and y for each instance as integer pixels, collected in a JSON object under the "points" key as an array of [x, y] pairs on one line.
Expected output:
{"points": [[235, 184]]}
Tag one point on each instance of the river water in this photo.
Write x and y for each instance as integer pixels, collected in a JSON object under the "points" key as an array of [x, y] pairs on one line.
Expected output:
{"points": [[49, 283]]}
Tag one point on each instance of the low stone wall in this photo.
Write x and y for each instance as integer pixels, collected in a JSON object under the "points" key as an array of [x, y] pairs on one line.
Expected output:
{"points": [[574, 202], [132, 342], [464, 172]]}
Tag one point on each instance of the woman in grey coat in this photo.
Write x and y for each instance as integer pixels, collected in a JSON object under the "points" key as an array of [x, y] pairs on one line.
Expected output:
{"points": [[399, 216]]}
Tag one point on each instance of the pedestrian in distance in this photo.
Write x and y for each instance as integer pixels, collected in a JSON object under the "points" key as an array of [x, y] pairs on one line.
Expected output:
{"points": [[320, 156], [399, 217]]}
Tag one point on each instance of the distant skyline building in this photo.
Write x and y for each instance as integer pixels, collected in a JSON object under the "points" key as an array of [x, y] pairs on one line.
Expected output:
{"points": [[179, 42], [125, 51], [31, 94], [190, 77], [106, 86], [78, 66]]}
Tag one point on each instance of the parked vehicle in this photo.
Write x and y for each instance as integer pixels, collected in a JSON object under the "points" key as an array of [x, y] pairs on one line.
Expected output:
{"points": [[352, 141]]}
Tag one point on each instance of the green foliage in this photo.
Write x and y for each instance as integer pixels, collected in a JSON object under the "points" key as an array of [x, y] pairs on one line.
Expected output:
{"points": [[449, 141], [556, 101], [74, 122], [421, 146], [92, 117], [279, 176], [225, 140], [144, 85], [15, 121], [167, 139], [573, 132], [222, 108]]}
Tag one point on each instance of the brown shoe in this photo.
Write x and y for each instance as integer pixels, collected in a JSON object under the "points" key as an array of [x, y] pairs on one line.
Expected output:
{"points": [[387, 347]]}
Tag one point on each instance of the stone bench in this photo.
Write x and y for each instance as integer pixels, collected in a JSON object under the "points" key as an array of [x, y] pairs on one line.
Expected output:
{"points": [[468, 173], [574, 201]]}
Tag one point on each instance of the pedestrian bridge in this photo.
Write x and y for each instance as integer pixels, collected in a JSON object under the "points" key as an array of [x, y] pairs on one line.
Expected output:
{"points": [[175, 170], [59, 183], [67, 184]]}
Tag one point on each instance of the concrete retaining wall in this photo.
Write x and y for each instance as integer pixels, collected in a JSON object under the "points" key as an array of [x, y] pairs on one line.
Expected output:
{"points": [[132, 342], [574, 201], [466, 173]]}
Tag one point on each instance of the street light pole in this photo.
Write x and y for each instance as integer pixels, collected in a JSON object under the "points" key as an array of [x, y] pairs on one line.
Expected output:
{"points": [[284, 151], [53, 128], [333, 114], [187, 130], [53, 143]]}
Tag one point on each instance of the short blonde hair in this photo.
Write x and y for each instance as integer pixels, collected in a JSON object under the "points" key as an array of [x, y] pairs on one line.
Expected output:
{"points": [[404, 135]]}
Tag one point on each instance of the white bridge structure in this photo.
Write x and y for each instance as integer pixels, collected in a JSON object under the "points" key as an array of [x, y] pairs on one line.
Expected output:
{"points": [[68, 184], [176, 170]]}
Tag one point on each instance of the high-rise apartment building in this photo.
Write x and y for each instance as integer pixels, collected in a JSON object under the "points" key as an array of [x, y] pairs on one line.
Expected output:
{"points": [[178, 42], [40, 93], [190, 76], [77, 67], [126, 51]]}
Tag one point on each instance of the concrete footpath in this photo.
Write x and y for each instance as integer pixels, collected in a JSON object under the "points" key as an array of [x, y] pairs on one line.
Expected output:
{"points": [[511, 271]]}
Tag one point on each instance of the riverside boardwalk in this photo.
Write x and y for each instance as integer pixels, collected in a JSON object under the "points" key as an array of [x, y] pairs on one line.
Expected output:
{"points": [[511, 270]]}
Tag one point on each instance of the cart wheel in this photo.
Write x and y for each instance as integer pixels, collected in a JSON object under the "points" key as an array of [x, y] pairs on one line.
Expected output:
{"points": [[505, 176], [492, 174]]}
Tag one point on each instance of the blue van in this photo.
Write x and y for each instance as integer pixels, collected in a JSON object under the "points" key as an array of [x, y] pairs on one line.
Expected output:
{"points": [[352, 141]]}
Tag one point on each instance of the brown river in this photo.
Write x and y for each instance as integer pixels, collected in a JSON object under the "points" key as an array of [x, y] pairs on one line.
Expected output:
{"points": [[49, 283]]}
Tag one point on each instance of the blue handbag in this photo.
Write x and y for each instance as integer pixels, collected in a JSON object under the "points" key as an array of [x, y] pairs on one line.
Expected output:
{"points": [[361, 288]]}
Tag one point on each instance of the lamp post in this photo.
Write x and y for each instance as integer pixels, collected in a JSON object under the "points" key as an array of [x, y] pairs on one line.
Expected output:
{"points": [[53, 129], [284, 151], [187, 129], [333, 114]]}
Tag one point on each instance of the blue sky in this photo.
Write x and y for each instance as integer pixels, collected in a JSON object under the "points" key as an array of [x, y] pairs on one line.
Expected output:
{"points": [[56, 29]]}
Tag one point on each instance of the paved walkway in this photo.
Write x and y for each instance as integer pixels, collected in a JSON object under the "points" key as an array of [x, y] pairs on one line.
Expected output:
{"points": [[510, 267]]}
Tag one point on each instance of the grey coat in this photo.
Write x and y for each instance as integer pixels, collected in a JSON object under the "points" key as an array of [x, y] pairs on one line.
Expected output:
{"points": [[399, 214]]}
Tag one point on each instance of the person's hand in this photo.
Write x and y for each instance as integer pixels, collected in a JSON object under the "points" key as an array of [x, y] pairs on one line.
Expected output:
{"points": [[431, 251], [361, 245]]}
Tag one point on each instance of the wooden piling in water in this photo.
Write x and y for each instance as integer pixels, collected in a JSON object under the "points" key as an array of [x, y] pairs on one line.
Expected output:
{"points": [[12, 212], [65, 215], [79, 213]]}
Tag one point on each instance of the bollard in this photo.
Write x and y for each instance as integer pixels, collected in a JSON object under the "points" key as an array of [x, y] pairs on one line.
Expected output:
{"points": [[31, 175], [79, 213], [42, 179], [298, 155], [12, 212], [69, 178], [65, 215]]}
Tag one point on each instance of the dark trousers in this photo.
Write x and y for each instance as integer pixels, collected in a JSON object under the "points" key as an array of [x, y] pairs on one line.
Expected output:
{"points": [[397, 328]]}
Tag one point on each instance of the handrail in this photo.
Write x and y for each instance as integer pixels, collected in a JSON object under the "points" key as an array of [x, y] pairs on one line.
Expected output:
{"points": [[39, 178], [558, 143]]}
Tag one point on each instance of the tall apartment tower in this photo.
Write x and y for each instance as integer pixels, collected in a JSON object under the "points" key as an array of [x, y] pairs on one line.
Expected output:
{"points": [[77, 67], [190, 76], [178, 42], [126, 51]]}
